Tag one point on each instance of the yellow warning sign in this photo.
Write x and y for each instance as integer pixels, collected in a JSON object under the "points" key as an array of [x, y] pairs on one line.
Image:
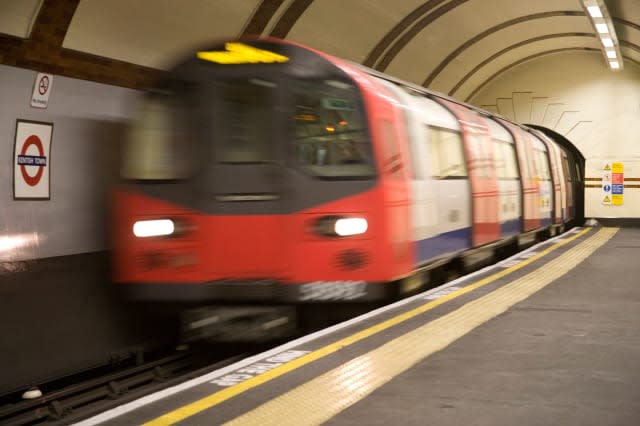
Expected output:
{"points": [[606, 167], [617, 168], [606, 199], [616, 200]]}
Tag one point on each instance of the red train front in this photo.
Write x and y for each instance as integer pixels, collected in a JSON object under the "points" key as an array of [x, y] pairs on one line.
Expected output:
{"points": [[263, 171]]}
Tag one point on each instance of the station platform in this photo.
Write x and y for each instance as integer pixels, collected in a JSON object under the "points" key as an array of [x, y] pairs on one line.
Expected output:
{"points": [[549, 336]]}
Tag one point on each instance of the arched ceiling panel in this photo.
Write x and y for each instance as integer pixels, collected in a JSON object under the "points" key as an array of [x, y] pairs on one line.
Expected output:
{"points": [[442, 44], [16, 16], [526, 45], [518, 34], [522, 53], [629, 37], [153, 32], [349, 29], [422, 54], [625, 29], [624, 8]]}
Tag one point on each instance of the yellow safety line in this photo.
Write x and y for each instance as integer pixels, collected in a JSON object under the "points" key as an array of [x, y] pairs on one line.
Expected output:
{"points": [[228, 393], [322, 398]]}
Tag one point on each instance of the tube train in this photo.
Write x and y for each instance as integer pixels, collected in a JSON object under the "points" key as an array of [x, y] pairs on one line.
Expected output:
{"points": [[262, 171]]}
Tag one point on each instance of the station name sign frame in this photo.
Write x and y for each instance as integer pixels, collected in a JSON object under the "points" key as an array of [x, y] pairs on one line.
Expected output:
{"points": [[32, 160]]}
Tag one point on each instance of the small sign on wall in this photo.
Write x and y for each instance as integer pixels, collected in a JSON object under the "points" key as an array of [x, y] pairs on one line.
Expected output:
{"points": [[31, 160], [613, 184], [606, 184], [41, 90], [617, 188]]}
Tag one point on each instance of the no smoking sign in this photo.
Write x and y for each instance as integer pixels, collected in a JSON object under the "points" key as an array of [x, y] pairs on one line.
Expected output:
{"points": [[32, 166], [41, 90]]}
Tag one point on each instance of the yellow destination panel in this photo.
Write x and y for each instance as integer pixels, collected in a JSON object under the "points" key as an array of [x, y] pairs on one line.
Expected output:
{"points": [[240, 53]]}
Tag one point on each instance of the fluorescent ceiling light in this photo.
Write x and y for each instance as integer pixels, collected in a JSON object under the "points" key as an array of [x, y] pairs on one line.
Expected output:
{"points": [[595, 11]]}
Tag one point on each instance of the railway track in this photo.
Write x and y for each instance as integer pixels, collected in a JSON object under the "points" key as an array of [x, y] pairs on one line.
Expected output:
{"points": [[89, 396]]}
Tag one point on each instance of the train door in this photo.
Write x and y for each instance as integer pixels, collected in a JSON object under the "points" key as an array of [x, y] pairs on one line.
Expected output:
{"points": [[446, 170], [559, 180], [530, 185], [569, 187], [245, 184], [439, 193], [482, 174], [509, 185], [543, 176]]}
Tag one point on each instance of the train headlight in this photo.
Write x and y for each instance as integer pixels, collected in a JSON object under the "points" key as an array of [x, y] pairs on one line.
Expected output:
{"points": [[337, 226], [153, 228], [351, 226]]}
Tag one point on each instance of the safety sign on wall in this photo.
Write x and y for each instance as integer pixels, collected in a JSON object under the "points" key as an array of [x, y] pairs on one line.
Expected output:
{"points": [[31, 160], [613, 184], [41, 90], [606, 184]]}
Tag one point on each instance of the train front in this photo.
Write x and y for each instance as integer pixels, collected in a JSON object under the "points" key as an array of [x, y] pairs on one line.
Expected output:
{"points": [[249, 177]]}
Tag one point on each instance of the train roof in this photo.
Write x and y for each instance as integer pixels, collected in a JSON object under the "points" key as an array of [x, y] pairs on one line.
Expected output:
{"points": [[303, 60]]}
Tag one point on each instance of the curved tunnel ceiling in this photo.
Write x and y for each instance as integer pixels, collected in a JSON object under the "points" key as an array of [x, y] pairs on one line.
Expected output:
{"points": [[452, 46]]}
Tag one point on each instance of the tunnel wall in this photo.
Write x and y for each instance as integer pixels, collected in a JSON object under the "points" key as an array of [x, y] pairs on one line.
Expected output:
{"points": [[88, 123], [58, 313], [574, 94]]}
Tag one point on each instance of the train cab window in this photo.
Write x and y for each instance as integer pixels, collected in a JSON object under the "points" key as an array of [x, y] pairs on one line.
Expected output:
{"points": [[160, 145], [331, 139], [246, 126], [446, 154]]}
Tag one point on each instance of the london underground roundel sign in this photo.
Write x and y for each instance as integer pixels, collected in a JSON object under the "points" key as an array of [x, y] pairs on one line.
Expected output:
{"points": [[32, 160]]}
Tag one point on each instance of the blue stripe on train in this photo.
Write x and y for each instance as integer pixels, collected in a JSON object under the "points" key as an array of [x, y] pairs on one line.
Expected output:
{"points": [[545, 221], [459, 239], [449, 242], [510, 228]]}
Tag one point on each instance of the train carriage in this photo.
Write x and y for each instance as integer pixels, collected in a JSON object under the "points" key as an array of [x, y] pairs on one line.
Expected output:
{"points": [[261, 171]]}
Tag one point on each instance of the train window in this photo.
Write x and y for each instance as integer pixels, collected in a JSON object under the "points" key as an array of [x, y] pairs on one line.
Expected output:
{"points": [[505, 160], [481, 160], [565, 168], [159, 145], [246, 122], [394, 158], [446, 154], [331, 138], [499, 160], [542, 164], [511, 161]]}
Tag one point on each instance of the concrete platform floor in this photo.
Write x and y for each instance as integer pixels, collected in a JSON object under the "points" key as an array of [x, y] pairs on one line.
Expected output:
{"points": [[568, 355]]}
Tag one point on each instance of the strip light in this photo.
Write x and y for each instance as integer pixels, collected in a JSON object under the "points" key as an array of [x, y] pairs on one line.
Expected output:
{"points": [[604, 29], [595, 11]]}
